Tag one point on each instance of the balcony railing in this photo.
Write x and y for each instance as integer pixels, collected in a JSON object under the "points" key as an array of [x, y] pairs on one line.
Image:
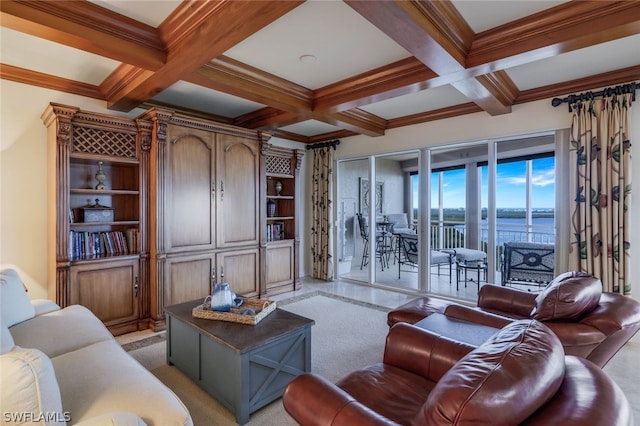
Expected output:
{"points": [[446, 235]]}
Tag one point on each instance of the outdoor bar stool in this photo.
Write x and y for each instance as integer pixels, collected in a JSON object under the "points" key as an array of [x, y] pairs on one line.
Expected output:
{"points": [[469, 259]]}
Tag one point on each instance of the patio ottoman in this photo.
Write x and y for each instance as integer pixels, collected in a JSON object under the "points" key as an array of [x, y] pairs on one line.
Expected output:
{"points": [[469, 259]]}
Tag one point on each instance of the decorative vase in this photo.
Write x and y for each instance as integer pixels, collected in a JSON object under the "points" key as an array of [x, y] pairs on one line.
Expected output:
{"points": [[278, 187], [222, 297], [271, 208], [100, 177]]}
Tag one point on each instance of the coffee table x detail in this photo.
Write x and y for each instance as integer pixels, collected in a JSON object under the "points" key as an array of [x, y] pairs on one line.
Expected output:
{"points": [[244, 367]]}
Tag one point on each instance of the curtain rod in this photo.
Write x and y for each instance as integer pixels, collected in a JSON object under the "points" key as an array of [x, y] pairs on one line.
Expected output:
{"points": [[332, 144], [609, 91]]}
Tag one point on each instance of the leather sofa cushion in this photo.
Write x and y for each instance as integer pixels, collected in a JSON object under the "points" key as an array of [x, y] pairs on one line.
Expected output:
{"points": [[503, 381], [569, 296], [392, 392]]}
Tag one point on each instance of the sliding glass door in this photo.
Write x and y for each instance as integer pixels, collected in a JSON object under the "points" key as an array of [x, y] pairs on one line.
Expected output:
{"points": [[353, 233], [394, 217], [479, 196]]}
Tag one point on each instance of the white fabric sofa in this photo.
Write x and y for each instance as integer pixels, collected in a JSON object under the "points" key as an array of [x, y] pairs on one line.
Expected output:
{"points": [[62, 366]]}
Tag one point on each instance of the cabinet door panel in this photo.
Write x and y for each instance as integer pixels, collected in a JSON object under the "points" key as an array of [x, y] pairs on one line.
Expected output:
{"points": [[107, 289], [238, 168], [279, 264], [240, 269], [189, 278], [189, 204]]}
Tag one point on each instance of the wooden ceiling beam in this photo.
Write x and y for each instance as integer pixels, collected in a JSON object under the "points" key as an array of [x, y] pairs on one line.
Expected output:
{"points": [[208, 29], [397, 79], [356, 120], [437, 35], [433, 32], [88, 27], [331, 135], [561, 29], [494, 92], [235, 78], [34, 78], [269, 118], [287, 102], [611, 78]]}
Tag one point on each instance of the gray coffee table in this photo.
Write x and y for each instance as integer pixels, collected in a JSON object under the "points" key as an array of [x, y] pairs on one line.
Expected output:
{"points": [[244, 367]]}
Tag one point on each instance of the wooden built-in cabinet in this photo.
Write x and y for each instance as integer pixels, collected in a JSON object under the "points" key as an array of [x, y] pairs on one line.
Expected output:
{"points": [[98, 263], [204, 195], [186, 207], [280, 229]]}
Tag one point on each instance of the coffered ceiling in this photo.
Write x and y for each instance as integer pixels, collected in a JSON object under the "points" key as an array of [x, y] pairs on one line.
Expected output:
{"points": [[321, 69]]}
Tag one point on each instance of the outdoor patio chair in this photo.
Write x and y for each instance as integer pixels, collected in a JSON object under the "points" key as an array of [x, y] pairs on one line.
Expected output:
{"points": [[528, 263], [363, 224], [399, 223], [408, 244]]}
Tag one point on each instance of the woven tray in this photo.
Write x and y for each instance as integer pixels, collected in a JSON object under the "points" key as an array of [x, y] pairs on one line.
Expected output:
{"points": [[265, 307]]}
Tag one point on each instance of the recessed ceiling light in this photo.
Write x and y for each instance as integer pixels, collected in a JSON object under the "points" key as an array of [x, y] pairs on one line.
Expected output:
{"points": [[307, 59]]}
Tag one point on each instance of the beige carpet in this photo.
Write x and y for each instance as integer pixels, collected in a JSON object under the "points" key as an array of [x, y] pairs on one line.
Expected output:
{"points": [[347, 335]]}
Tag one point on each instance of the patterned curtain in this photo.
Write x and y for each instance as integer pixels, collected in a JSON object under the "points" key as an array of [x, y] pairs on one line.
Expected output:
{"points": [[600, 173], [322, 216]]}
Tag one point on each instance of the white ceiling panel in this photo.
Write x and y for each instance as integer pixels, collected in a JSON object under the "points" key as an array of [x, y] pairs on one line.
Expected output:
{"points": [[483, 15], [580, 63], [310, 128], [344, 44], [52, 58], [151, 12], [425, 100], [200, 98]]}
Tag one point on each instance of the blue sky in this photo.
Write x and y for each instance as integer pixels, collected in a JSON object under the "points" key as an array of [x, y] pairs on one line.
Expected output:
{"points": [[511, 185]]}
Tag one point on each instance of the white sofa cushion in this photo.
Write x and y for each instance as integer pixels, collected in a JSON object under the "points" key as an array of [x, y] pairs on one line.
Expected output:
{"points": [[61, 331], [29, 388], [44, 306], [7, 339], [15, 306], [113, 419], [102, 378]]}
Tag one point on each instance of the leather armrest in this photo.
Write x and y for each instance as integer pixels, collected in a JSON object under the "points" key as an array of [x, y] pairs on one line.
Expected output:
{"points": [[313, 400], [613, 313], [508, 300], [422, 352], [477, 316]]}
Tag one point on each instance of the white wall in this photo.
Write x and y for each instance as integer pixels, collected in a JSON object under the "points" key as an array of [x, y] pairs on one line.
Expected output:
{"points": [[23, 193]]}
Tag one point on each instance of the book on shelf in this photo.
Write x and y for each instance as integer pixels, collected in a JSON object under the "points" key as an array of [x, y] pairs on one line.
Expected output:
{"points": [[91, 245], [275, 231]]}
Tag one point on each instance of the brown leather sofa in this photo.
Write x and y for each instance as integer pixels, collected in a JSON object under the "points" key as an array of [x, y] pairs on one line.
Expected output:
{"points": [[589, 322], [518, 376]]}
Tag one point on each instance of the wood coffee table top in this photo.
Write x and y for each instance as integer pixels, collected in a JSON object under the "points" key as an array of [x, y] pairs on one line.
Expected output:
{"points": [[241, 337]]}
